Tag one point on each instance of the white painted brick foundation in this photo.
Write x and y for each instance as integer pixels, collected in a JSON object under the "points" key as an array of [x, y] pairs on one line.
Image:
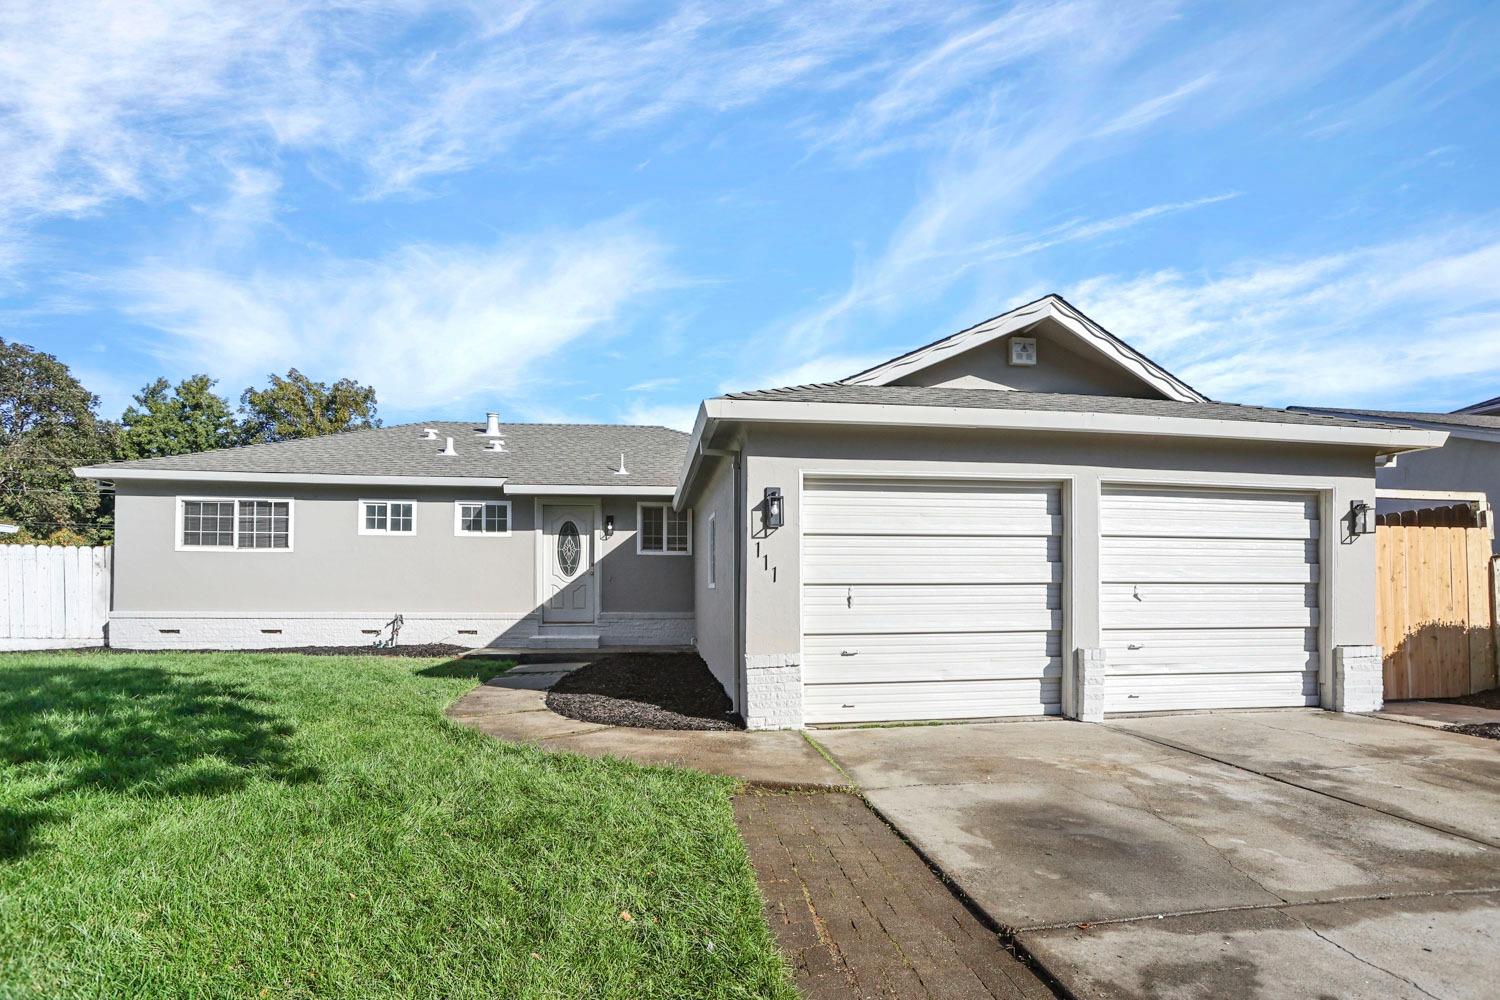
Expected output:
{"points": [[271, 630], [1358, 679], [1084, 699], [773, 691]]}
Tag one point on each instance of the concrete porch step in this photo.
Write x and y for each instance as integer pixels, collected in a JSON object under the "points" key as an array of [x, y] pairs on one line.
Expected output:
{"points": [[565, 637]]}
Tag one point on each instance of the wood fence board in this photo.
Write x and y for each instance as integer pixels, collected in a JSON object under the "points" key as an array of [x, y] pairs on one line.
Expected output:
{"points": [[53, 595], [1435, 603]]}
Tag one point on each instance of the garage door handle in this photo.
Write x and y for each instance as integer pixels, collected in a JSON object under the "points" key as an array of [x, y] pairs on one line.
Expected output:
{"points": [[1135, 645], [848, 652]]}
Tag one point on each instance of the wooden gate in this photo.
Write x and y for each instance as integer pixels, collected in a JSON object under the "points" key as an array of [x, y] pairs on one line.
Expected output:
{"points": [[1436, 601]]}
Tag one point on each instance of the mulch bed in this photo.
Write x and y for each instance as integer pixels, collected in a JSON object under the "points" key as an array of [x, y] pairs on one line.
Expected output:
{"points": [[1479, 699], [1489, 730], [645, 691]]}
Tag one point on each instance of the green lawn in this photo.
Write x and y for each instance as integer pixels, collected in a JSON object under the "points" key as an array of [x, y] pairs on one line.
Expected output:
{"points": [[241, 825]]}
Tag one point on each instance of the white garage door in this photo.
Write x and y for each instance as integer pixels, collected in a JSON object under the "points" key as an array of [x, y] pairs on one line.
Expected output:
{"points": [[930, 600], [1209, 599]]}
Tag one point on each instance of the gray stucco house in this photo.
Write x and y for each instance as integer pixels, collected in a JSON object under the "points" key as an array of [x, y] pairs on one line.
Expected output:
{"points": [[1028, 517], [1468, 463]]}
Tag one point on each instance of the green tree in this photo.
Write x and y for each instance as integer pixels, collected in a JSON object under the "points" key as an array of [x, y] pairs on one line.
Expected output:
{"points": [[48, 426], [297, 407], [164, 421]]}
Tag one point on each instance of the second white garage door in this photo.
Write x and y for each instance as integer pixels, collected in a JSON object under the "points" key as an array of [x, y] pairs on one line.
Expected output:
{"points": [[1208, 599], [930, 600]]}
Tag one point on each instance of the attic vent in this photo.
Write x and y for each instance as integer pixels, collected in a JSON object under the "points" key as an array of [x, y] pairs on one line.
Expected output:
{"points": [[448, 447], [492, 425], [495, 446], [622, 471], [428, 434]]}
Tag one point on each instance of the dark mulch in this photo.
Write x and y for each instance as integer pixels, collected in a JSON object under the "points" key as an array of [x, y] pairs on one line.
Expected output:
{"points": [[646, 691], [426, 650], [1489, 730], [1479, 699]]}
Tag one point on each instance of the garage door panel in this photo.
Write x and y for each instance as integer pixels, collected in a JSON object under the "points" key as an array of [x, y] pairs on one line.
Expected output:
{"points": [[1125, 605], [893, 507], [884, 608], [1247, 650], [931, 700], [930, 600], [1177, 514], [906, 559], [1165, 693], [1209, 600], [1014, 655], [1200, 560]]}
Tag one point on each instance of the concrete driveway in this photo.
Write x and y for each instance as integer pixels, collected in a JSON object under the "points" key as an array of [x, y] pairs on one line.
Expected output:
{"points": [[1265, 854]]}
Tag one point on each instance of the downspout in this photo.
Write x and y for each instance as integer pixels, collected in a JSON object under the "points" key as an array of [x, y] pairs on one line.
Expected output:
{"points": [[739, 582]]}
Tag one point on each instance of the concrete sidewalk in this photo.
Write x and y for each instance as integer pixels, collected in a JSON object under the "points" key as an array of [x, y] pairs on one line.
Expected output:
{"points": [[1438, 714]]}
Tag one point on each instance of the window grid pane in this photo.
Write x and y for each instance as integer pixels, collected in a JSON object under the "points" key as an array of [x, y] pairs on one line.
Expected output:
{"points": [[401, 517], [375, 517], [208, 523], [491, 518], [651, 529], [264, 524], [677, 530]]}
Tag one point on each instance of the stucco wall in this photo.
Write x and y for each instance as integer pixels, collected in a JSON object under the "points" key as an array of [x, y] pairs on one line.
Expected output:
{"points": [[333, 568], [714, 607], [1059, 368], [1461, 464], [1082, 464]]}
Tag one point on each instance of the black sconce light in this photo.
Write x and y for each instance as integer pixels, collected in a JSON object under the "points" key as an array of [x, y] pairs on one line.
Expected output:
{"points": [[1361, 518], [773, 510], [609, 526]]}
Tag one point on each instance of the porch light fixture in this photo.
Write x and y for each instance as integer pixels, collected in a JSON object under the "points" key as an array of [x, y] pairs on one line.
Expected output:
{"points": [[773, 510], [1361, 518], [609, 526]]}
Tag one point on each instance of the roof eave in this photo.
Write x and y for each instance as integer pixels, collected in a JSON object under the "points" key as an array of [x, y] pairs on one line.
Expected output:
{"points": [[1436, 423], [1384, 439], [105, 472]]}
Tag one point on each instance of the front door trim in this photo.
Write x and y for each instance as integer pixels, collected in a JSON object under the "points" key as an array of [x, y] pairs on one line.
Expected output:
{"points": [[540, 554]]}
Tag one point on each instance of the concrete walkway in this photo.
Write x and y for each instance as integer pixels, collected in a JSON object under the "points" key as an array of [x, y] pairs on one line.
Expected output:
{"points": [[513, 707]]}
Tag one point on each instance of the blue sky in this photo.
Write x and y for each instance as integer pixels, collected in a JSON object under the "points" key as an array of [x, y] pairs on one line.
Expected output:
{"points": [[606, 212]]}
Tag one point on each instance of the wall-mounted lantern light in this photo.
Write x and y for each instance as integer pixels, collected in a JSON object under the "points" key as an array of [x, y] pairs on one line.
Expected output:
{"points": [[1361, 518], [773, 510], [609, 526]]}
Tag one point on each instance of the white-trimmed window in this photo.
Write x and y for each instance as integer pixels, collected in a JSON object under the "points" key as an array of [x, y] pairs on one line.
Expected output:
{"points": [[482, 517], [387, 517], [662, 531], [219, 524], [713, 552]]}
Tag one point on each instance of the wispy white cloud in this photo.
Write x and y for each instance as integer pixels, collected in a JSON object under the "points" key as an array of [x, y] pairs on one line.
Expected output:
{"points": [[678, 416], [426, 325], [653, 384], [1418, 318]]}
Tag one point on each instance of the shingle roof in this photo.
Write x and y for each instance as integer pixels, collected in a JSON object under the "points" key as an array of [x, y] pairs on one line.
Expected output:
{"points": [[541, 454], [1446, 419], [1005, 399]]}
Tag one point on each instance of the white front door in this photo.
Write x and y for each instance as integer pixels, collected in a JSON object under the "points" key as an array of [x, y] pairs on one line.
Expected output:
{"points": [[568, 554]]}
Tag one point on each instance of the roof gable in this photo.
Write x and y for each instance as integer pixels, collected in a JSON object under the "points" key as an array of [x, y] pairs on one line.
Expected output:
{"points": [[1075, 355]]}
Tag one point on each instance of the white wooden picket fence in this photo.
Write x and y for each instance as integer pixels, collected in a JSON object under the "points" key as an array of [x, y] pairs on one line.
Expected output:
{"points": [[52, 596]]}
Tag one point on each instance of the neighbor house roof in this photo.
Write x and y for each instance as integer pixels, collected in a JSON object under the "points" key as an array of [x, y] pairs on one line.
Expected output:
{"points": [[1089, 335], [1491, 406], [1457, 422], [536, 455]]}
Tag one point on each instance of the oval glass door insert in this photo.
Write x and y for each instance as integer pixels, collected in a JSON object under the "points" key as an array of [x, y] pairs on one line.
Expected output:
{"points": [[568, 548]]}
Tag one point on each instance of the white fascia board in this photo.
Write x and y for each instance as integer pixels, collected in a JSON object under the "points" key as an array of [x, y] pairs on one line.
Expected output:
{"points": [[533, 489], [703, 427], [1436, 424], [1053, 308], [307, 478], [770, 411]]}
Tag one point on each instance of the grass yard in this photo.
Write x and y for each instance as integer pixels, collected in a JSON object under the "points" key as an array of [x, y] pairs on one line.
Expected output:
{"points": [[242, 825]]}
